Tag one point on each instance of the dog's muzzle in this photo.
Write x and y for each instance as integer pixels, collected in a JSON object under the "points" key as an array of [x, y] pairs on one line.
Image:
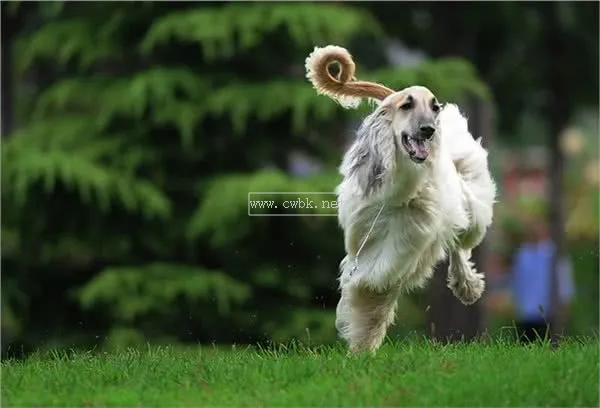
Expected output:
{"points": [[418, 148]]}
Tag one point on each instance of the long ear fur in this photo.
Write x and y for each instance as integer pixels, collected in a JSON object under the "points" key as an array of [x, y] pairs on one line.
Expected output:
{"points": [[372, 157], [344, 89]]}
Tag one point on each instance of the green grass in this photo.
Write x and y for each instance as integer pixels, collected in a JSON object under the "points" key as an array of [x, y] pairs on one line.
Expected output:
{"points": [[401, 374]]}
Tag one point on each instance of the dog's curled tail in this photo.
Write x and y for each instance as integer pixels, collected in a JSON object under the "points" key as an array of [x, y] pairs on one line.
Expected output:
{"points": [[344, 89]]}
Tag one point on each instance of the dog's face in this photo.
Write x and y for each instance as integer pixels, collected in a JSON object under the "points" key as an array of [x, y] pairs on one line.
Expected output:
{"points": [[413, 112]]}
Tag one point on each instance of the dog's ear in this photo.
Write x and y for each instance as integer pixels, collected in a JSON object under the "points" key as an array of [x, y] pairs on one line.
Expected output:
{"points": [[372, 158]]}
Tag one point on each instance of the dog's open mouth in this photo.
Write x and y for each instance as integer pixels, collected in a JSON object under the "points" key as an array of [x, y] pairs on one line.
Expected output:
{"points": [[417, 148]]}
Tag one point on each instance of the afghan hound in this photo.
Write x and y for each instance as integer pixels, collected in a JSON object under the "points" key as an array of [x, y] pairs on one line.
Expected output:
{"points": [[416, 189]]}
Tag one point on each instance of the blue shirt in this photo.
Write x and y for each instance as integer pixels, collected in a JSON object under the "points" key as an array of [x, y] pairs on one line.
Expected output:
{"points": [[531, 280]]}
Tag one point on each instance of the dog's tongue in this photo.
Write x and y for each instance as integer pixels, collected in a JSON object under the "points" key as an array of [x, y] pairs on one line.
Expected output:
{"points": [[419, 148]]}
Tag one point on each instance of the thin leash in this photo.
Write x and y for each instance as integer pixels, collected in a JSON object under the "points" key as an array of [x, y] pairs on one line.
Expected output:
{"points": [[355, 267]]}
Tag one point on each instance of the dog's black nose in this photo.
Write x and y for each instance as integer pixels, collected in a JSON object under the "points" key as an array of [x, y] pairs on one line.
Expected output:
{"points": [[427, 131]]}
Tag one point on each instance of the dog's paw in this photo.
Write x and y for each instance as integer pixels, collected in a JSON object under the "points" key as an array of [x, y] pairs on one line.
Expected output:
{"points": [[468, 290]]}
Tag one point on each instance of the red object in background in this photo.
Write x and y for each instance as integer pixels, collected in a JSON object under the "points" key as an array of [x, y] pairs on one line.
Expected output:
{"points": [[517, 182]]}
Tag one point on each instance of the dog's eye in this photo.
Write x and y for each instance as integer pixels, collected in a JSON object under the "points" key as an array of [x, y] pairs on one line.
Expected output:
{"points": [[406, 106], [436, 107]]}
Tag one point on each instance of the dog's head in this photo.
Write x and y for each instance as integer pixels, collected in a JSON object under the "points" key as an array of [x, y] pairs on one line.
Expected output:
{"points": [[396, 141], [412, 114]]}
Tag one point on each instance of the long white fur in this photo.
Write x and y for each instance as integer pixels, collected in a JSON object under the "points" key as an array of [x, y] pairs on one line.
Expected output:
{"points": [[433, 210]]}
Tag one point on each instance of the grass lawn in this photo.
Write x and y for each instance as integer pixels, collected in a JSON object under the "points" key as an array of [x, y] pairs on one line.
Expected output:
{"points": [[401, 374]]}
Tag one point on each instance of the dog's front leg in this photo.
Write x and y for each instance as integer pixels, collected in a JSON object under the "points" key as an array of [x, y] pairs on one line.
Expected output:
{"points": [[364, 315], [464, 281]]}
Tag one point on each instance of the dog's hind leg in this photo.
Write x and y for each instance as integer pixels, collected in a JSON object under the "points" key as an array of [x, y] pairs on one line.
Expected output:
{"points": [[463, 280], [364, 315]]}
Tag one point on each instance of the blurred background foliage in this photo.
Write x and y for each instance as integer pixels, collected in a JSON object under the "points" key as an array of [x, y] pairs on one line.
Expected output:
{"points": [[135, 130]]}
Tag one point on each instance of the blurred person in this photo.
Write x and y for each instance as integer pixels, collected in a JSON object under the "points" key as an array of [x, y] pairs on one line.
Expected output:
{"points": [[531, 279]]}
